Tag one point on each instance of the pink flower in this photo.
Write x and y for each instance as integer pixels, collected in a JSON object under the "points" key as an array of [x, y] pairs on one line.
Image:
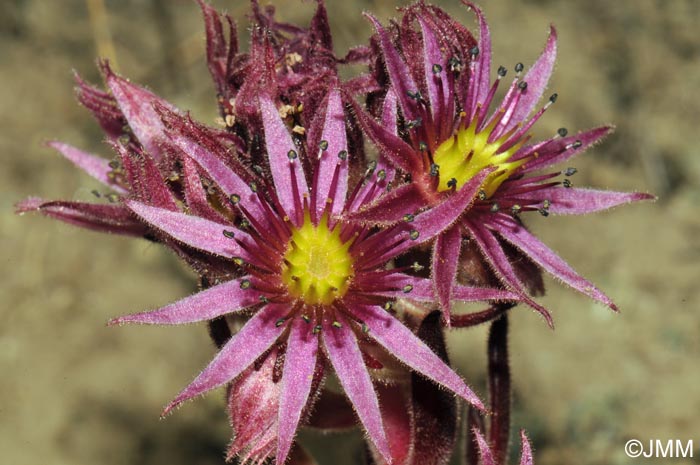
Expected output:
{"points": [[455, 147], [308, 280]]}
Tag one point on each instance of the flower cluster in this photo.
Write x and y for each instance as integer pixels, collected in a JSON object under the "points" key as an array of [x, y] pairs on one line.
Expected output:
{"points": [[319, 261]]}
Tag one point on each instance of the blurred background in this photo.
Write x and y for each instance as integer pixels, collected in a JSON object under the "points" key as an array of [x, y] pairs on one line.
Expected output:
{"points": [[76, 392]]}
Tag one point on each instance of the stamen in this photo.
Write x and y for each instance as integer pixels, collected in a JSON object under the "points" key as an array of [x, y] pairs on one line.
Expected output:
{"points": [[414, 234], [566, 183], [229, 234], [323, 145], [562, 132], [292, 155], [570, 171], [407, 288], [495, 207], [343, 154], [245, 284], [437, 69]]}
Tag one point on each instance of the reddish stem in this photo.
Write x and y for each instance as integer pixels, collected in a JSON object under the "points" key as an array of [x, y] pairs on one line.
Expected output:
{"points": [[499, 388]]}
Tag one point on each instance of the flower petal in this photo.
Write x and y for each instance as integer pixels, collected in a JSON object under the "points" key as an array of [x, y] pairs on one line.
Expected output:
{"points": [[115, 219], [216, 301], [479, 84], [498, 260], [526, 454], [444, 266], [484, 449], [194, 231], [329, 160], [346, 358], [536, 78], [287, 172], [95, 166], [553, 151], [520, 237], [391, 207], [400, 342], [297, 377], [399, 73], [254, 338], [435, 79], [576, 201]]}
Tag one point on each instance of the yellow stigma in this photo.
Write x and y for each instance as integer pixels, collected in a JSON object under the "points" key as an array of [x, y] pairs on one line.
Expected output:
{"points": [[318, 266], [464, 155]]}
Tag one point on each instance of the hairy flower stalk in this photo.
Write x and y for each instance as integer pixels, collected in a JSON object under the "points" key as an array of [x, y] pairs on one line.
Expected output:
{"points": [[455, 132], [316, 283]]}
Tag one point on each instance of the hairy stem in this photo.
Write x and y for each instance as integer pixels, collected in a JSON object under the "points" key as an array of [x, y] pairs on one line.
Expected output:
{"points": [[499, 388]]}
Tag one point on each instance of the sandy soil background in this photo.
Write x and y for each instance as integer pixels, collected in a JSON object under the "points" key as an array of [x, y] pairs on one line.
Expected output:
{"points": [[76, 392]]}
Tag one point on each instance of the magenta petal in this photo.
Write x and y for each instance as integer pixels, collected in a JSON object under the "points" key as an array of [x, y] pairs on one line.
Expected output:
{"points": [[399, 73], [137, 105], [479, 83], [286, 168], [558, 150], [391, 207], [225, 178], [95, 166], [484, 449], [225, 298], [479, 294], [444, 266], [526, 454], [537, 78], [544, 256], [400, 342], [108, 218], [575, 201], [346, 358], [195, 195], [254, 338], [434, 80], [497, 259], [329, 160], [397, 286], [297, 377], [194, 231]]}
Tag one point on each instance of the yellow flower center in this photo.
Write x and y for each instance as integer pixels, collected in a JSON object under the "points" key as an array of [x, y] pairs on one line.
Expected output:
{"points": [[318, 266], [469, 151]]}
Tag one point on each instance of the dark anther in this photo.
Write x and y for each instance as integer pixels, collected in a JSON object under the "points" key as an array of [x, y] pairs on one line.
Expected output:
{"points": [[455, 64], [570, 171], [317, 329], [371, 166], [422, 146], [452, 183], [417, 266], [96, 193], [413, 234], [253, 187], [414, 123], [516, 209], [336, 324], [343, 154], [381, 174], [544, 212], [407, 288], [437, 69], [279, 322], [323, 145], [553, 98], [292, 154], [502, 71], [229, 234], [112, 198], [562, 132], [238, 261], [365, 328], [258, 169], [546, 204], [495, 207], [244, 224], [245, 284], [566, 183], [235, 198], [434, 169], [263, 299], [577, 144], [114, 164], [474, 51], [306, 318], [522, 85], [408, 218], [414, 95], [519, 67], [388, 306], [482, 195]]}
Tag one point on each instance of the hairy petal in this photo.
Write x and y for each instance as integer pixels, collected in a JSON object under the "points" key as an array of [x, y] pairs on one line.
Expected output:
{"points": [[526, 454], [391, 207], [553, 151], [520, 237], [254, 338], [444, 266], [197, 232], [279, 143], [108, 218], [576, 201], [346, 358], [216, 301], [297, 377], [405, 346], [95, 166], [329, 161], [484, 449], [537, 78]]}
